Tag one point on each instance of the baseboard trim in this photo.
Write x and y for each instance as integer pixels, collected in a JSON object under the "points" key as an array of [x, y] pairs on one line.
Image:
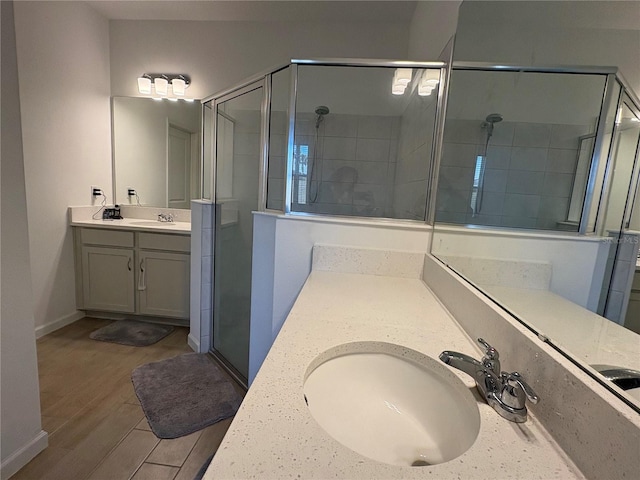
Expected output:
{"points": [[47, 328], [24, 455], [193, 343]]}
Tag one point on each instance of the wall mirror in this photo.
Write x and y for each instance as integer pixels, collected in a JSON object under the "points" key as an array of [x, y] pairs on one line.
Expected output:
{"points": [[156, 151], [535, 206]]}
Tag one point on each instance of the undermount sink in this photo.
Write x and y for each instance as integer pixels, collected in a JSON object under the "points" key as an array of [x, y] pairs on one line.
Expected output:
{"points": [[391, 404], [152, 223]]}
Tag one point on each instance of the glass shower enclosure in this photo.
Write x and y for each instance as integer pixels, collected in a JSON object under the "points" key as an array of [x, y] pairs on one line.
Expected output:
{"points": [[332, 137]]}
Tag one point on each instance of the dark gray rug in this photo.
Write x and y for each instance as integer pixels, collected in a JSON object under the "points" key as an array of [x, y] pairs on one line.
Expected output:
{"points": [[131, 332], [184, 394]]}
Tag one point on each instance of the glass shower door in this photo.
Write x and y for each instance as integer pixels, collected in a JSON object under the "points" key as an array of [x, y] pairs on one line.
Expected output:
{"points": [[237, 172]]}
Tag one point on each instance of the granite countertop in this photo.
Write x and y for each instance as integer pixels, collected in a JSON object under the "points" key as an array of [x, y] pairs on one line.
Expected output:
{"points": [[274, 436]]}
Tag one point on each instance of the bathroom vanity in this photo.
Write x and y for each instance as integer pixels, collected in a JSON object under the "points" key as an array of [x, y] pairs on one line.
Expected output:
{"points": [[133, 266], [354, 298]]}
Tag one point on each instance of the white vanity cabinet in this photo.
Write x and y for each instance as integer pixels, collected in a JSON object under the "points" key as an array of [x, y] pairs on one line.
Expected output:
{"points": [[106, 270], [163, 276], [132, 272]]}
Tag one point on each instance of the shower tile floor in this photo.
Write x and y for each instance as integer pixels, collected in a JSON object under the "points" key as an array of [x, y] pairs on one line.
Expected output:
{"points": [[96, 427]]}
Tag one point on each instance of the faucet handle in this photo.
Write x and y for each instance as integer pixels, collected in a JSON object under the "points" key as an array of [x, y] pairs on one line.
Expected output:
{"points": [[489, 352], [491, 359], [515, 379]]}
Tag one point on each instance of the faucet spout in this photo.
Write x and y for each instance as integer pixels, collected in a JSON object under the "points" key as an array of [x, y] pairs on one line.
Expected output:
{"points": [[462, 362]]}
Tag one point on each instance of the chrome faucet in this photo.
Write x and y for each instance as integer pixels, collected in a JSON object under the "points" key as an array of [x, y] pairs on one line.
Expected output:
{"points": [[506, 392], [165, 217]]}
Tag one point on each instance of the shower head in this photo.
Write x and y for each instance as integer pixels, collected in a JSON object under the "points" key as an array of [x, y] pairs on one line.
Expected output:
{"points": [[321, 111], [488, 123], [494, 118]]}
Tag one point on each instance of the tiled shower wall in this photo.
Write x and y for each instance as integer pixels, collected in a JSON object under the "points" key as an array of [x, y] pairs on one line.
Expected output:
{"points": [[414, 153], [354, 165], [530, 169]]}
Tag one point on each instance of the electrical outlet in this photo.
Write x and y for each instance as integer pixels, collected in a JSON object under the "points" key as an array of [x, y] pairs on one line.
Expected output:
{"points": [[131, 192], [96, 191]]}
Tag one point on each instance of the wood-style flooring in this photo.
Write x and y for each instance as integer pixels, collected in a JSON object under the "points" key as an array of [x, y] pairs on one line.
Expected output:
{"points": [[96, 427]]}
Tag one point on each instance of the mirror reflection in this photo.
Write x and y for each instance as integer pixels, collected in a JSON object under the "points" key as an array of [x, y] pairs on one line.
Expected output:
{"points": [[535, 206], [156, 152]]}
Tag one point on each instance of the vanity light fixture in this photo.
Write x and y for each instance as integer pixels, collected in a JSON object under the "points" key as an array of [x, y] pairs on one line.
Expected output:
{"points": [[161, 82]]}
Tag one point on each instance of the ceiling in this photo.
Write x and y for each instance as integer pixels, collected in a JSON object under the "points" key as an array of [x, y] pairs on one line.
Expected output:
{"points": [[260, 10]]}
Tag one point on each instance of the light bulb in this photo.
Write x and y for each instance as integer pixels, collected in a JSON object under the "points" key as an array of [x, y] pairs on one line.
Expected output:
{"points": [[161, 85], [178, 85], [144, 85]]}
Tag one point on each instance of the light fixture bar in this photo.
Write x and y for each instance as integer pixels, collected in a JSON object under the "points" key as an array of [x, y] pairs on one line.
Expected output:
{"points": [[160, 82]]}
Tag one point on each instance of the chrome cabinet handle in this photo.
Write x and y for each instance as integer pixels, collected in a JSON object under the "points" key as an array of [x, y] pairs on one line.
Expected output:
{"points": [[129, 264]]}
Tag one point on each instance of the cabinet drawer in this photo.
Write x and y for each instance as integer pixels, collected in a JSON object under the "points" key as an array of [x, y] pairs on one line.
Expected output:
{"points": [[112, 238], [636, 281], [159, 241]]}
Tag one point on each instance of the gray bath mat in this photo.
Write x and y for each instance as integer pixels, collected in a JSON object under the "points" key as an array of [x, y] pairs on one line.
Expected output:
{"points": [[184, 394], [130, 332]]}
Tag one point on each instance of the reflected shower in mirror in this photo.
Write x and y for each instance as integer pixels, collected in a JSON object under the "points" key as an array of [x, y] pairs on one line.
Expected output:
{"points": [[516, 167], [538, 173], [156, 151]]}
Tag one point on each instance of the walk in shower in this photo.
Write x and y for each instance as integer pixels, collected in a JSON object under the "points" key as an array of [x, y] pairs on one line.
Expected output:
{"points": [[343, 138]]}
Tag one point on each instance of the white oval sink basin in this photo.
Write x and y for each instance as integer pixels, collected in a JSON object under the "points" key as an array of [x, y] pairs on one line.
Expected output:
{"points": [[152, 223], [391, 404]]}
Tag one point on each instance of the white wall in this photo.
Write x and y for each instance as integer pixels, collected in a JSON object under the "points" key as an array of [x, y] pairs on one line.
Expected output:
{"points": [[22, 436], [283, 251], [218, 54], [552, 33], [63, 60], [432, 25]]}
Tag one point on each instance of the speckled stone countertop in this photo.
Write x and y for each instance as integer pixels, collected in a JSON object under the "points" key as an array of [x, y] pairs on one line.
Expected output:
{"points": [[141, 219], [274, 436]]}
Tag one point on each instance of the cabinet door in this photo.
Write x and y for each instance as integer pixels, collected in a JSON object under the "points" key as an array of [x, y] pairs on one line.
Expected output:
{"points": [[107, 279], [163, 284]]}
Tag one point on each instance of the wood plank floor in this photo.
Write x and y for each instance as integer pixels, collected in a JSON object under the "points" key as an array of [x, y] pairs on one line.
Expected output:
{"points": [[96, 427]]}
